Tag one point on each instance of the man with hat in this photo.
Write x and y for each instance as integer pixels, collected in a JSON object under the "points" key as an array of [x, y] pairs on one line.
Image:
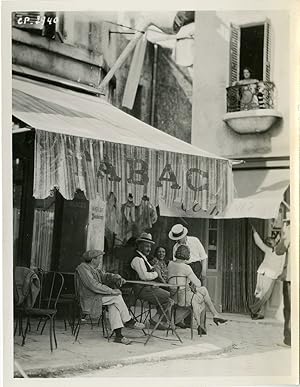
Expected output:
{"points": [[198, 256], [283, 247], [143, 271], [94, 292]]}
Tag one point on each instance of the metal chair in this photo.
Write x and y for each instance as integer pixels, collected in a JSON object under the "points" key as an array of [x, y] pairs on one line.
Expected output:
{"points": [[67, 301], [188, 308], [46, 306], [84, 317]]}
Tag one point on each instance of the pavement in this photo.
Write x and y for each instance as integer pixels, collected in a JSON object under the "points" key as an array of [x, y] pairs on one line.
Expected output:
{"points": [[94, 352]]}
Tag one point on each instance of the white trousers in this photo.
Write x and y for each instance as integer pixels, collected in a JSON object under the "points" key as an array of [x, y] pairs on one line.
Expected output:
{"points": [[117, 311]]}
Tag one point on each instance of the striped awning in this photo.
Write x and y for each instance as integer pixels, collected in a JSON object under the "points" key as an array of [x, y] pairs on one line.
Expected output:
{"points": [[83, 142]]}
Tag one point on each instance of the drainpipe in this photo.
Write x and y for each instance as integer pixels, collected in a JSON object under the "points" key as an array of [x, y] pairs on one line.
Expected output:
{"points": [[154, 77]]}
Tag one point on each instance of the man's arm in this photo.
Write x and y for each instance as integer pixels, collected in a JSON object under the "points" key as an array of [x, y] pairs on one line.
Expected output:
{"points": [[204, 261], [112, 279], [89, 282], [139, 266], [259, 243]]}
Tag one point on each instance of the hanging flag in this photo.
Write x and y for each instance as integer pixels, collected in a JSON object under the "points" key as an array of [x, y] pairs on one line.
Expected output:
{"points": [[134, 73]]}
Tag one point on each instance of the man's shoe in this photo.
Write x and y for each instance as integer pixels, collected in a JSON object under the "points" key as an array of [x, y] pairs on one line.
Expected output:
{"points": [[122, 340], [287, 342], [258, 317], [201, 331], [161, 326], [181, 325], [135, 325]]}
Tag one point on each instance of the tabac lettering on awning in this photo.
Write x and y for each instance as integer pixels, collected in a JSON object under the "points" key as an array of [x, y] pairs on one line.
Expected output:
{"points": [[138, 174], [98, 168]]}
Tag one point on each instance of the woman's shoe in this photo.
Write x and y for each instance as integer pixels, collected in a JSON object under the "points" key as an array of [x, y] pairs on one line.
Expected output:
{"points": [[201, 331], [218, 320]]}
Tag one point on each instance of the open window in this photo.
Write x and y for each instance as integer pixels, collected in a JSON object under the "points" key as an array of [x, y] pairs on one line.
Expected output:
{"points": [[250, 46]]}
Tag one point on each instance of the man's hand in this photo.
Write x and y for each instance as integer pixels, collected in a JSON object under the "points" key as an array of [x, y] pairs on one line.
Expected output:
{"points": [[123, 281], [116, 292]]}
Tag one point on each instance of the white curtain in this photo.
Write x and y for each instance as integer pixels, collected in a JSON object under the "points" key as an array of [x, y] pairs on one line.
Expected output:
{"points": [[42, 239]]}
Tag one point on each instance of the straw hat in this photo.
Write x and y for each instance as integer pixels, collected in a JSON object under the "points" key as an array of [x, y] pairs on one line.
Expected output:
{"points": [[178, 231], [145, 237]]}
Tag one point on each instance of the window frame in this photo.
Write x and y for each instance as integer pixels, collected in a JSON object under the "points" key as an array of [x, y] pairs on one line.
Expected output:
{"points": [[235, 44]]}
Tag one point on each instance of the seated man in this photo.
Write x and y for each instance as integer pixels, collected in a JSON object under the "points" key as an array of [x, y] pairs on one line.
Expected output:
{"points": [[142, 270], [93, 293]]}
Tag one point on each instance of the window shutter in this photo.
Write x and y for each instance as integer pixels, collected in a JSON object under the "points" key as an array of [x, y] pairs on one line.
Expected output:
{"points": [[235, 40], [267, 51]]}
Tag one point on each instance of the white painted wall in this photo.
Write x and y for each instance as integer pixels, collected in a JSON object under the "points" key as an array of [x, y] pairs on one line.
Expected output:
{"points": [[211, 77]]}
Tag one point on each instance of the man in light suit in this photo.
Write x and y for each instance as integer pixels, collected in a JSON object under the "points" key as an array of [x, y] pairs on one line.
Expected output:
{"points": [[94, 292]]}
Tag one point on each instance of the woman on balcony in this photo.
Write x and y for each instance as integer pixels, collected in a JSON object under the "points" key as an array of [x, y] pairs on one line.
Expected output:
{"points": [[247, 91]]}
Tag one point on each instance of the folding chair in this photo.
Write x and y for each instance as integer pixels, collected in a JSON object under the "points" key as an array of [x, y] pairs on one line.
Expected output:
{"points": [[84, 317], [51, 286], [136, 305], [175, 295]]}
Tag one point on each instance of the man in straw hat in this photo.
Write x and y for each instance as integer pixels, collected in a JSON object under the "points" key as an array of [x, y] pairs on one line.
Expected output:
{"points": [[283, 247], [198, 256], [142, 270], [93, 290]]}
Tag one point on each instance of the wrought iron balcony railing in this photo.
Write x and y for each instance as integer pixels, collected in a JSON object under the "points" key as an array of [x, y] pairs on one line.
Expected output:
{"points": [[251, 96]]}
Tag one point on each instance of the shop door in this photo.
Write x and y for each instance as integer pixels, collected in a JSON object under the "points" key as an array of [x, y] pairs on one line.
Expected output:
{"points": [[214, 272], [71, 220]]}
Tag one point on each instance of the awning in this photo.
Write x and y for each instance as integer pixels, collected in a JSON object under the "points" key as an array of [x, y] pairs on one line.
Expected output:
{"points": [[83, 142], [258, 193]]}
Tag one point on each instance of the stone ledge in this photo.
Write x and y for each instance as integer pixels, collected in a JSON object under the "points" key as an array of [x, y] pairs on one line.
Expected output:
{"points": [[252, 121]]}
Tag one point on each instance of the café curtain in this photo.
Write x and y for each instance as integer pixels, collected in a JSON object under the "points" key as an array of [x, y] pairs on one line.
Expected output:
{"points": [[42, 239], [69, 163], [240, 260]]}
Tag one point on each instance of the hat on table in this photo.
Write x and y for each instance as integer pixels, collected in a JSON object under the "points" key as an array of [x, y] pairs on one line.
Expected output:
{"points": [[145, 237], [178, 231]]}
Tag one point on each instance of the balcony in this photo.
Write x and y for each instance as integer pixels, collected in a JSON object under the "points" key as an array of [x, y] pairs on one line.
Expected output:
{"points": [[250, 107]]}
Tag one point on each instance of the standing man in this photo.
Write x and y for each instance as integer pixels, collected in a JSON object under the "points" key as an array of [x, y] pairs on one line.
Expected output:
{"points": [[198, 258], [283, 247], [93, 290], [143, 271]]}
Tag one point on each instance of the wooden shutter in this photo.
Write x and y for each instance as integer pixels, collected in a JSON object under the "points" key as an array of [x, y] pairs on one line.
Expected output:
{"points": [[267, 51], [235, 40]]}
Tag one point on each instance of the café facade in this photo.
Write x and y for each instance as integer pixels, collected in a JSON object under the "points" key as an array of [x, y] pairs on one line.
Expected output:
{"points": [[87, 175]]}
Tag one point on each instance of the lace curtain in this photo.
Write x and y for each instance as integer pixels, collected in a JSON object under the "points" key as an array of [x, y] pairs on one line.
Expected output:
{"points": [[42, 239]]}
